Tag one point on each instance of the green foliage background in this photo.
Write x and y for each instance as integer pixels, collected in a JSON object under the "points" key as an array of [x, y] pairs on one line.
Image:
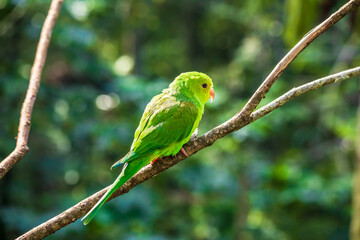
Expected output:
{"points": [[286, 176]]}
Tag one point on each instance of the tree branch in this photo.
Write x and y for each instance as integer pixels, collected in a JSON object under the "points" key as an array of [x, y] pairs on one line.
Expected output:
{"points": [[244, 116], [280, 101], [25, 116], [80, 209]]}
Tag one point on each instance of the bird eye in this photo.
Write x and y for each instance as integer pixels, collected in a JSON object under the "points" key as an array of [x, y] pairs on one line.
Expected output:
{"points": [[204, 85]]}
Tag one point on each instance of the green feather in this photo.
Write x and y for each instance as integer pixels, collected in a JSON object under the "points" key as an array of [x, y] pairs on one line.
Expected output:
{"points": [[128, 171], [166, 125]]}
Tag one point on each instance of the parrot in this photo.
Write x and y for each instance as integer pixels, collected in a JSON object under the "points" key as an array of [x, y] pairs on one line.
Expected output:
{"points": [[167, 123]]}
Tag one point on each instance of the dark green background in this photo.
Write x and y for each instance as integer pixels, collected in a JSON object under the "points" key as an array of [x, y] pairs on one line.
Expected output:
{"points": [[287, 176]]}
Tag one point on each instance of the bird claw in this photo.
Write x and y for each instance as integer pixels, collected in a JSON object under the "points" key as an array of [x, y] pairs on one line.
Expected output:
{"points": [[184, 152], [153, 161]]}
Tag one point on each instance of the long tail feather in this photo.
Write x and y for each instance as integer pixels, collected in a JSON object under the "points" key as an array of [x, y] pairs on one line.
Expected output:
{"points": [[128, 171], [122, 161], [129, 157]]}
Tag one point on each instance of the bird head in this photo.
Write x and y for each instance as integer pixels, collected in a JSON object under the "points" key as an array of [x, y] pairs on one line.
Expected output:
{"points": [[194, 85]]}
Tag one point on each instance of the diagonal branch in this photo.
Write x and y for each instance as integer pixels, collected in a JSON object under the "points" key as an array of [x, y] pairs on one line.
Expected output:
{"points": [[25, 116], [280, 101], [80, 209]]}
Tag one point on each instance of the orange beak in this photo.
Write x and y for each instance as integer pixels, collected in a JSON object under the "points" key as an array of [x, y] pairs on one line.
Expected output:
{"points": [[212, 94]]}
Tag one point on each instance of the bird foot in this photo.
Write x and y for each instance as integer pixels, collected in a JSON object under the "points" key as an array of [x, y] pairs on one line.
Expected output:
{"points": [[184, 152], [153, 161]]}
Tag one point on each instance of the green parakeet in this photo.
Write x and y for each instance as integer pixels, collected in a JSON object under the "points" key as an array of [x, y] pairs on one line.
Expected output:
{"points": [[165, 126]]}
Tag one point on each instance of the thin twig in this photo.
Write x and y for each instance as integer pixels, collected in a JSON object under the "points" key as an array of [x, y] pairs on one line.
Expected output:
{"points": [[80, 209], [280, 101], [25, 117]]}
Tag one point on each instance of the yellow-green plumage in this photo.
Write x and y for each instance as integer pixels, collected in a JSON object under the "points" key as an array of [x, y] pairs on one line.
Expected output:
{"points": [[166, 125]]}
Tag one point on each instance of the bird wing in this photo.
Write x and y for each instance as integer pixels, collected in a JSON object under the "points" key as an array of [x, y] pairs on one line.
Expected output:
{"points": [[165, 121], [171, 124]]}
